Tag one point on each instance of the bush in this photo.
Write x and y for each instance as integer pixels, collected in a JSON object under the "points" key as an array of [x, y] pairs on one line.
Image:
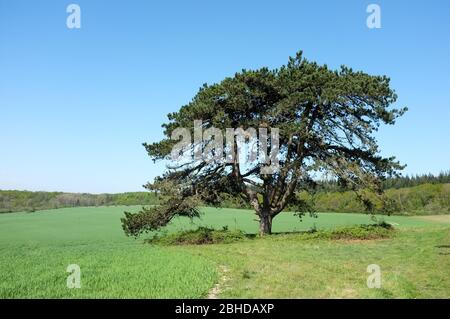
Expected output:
{"points": [[200, 236], [204, 235], [358, 232], [363, 232]]}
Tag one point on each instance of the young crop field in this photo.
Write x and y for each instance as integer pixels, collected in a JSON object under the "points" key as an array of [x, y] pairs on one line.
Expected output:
{"points": [[36, 248]]}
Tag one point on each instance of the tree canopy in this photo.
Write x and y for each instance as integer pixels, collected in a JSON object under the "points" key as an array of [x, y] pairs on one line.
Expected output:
{"points": [[326, 120]]}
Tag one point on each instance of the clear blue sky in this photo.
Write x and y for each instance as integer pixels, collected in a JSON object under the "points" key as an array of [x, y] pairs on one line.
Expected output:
{"points": [[75, 105]]}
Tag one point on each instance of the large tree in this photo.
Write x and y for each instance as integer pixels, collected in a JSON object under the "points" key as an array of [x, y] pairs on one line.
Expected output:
{"points": [[326, 121]]}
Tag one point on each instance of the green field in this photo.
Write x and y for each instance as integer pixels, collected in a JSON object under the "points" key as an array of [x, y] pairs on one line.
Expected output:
{"points": [[36, 248]]}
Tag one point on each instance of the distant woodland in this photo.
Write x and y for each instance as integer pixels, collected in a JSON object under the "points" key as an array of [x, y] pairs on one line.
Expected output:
{"points": [[414, 195]]}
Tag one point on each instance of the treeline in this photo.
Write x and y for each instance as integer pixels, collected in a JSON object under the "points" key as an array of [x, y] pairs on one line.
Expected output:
{"points": [[415, 180], [420, 194], [16, 201], [393, 182], [424, 199]]}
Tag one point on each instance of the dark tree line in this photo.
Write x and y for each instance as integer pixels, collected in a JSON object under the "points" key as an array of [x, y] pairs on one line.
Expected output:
{"points": [[390, 182], [415, 180], [415, 194]]}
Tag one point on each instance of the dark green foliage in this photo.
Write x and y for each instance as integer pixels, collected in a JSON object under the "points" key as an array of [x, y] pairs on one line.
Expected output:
{"points": [[326, 120], [172, 202], [205, 235], [155, 217], [358, 232], [200, 236], [363, 232], [390, 182], [17, 201], [415, 180]]}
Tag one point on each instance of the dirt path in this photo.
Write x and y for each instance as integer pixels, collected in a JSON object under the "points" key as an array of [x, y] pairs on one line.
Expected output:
{"points": [[220, 285]]}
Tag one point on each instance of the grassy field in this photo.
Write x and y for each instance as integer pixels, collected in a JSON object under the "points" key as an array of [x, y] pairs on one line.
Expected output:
{"points": [[36, 248]]}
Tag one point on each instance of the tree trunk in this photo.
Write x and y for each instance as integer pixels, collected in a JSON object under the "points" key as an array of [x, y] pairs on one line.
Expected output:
{"points": [[265, 225]]}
